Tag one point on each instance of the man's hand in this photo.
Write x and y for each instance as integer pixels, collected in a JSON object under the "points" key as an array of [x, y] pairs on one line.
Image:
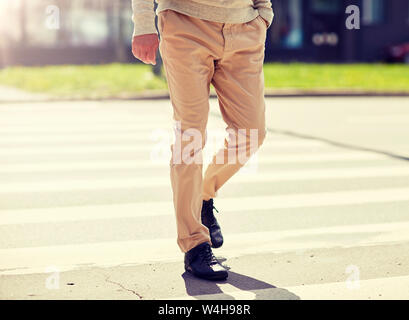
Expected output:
{"points": [[144, 47]]}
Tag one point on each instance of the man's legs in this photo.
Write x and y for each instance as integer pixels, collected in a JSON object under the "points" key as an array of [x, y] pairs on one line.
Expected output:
{"points": [[239, 82], [196, 53]]}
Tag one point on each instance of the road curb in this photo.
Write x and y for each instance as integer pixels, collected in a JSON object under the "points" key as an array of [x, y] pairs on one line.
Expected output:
{"points": [[163, 94]]}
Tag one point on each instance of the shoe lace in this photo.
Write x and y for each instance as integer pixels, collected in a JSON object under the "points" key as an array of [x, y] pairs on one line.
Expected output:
{"points": [[207, 255]]}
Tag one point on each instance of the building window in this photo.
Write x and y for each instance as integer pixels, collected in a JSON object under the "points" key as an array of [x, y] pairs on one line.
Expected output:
{"points": [[326, 6], [288, 30], [372, 12]]}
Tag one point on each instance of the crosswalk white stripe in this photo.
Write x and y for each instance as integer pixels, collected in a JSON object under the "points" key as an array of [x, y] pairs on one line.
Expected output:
{"points": [[74, 132], [90, 116], [380, 119], [67, 119], [233, 205], [84, 127], [80, 138], [99, 137], [390, 288], [82, 131], [151, 144], [132, 164], [83, 149], [103, 254], [269, 176], [318, 174]]}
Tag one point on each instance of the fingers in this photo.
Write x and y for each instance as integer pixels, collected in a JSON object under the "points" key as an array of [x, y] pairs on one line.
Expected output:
{"points": [[144, 48], [141, 54], [148, 56], [151, 56]]}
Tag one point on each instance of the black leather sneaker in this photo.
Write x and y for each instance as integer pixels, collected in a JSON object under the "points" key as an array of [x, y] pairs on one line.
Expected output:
{"points": [[209, 220], [201, 262]]}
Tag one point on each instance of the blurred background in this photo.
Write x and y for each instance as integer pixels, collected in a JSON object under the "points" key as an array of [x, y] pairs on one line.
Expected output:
{"points": [[59, 48], [99, 31]]}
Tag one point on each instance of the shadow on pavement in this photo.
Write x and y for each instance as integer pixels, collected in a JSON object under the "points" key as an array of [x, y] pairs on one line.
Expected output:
{"points": [[248, 288]]}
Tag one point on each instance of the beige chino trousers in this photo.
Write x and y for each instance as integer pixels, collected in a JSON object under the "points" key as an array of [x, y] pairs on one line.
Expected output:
{"points": [[197, 53]]}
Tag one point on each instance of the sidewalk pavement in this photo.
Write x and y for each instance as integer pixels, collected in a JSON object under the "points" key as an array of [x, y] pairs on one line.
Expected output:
{"points": [[10, 94]]}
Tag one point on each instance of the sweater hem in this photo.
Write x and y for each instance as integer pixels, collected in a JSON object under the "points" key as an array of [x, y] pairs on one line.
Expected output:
{"points": [[210, 13]]}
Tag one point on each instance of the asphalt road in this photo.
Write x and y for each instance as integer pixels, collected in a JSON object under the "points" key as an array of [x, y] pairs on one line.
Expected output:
{"points": [[322, 211]]}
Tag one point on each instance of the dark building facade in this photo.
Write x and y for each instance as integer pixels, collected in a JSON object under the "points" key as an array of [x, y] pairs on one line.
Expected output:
{"points": [[99, 31], [316, 30]]}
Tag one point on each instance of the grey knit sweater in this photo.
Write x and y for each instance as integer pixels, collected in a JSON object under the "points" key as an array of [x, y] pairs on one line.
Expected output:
{"points": [[225, 11]]}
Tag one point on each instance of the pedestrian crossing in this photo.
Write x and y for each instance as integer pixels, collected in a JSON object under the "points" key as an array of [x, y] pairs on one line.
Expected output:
{"points": [[162, 181], [20, 260], [121, 131], [230, 205], [145, 146], [132, 164]]}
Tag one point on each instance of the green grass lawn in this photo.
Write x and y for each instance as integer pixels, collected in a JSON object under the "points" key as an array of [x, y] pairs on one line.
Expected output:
{"points": [[376, 77], [96, 81], [122, 80]]}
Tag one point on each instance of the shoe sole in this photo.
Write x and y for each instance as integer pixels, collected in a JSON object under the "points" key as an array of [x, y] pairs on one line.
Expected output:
{"points": [[214, 278]]}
